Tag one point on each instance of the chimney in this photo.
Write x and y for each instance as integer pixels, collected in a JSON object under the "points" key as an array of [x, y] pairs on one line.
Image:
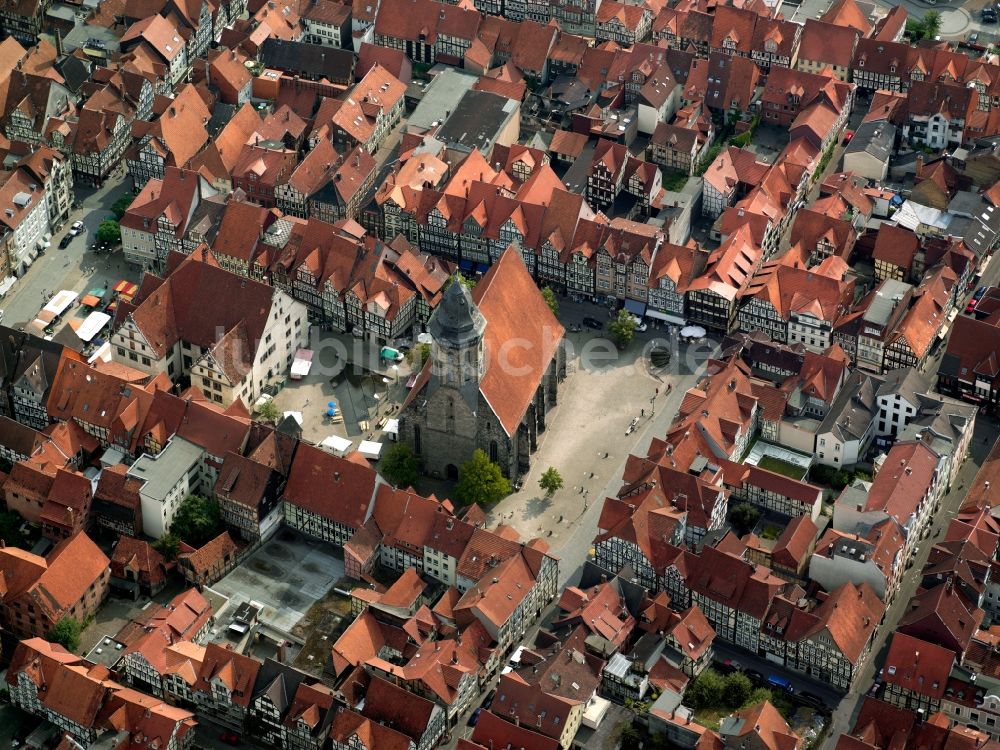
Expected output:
{"points": [[336, 476]]}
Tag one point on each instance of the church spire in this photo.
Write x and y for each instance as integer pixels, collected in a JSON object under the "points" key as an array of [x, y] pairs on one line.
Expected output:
{"points": [[457, 327]]}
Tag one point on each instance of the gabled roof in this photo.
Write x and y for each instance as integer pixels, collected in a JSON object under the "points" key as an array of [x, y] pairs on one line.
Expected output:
{"points": [[942, 616], [330, 486], [918, 666], [847, 13], [762, 725]]}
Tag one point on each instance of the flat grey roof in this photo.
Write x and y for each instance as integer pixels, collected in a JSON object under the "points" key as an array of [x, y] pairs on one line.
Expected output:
{"points": [[440, 99], [885, 301], [476, 120], [162, 471]]}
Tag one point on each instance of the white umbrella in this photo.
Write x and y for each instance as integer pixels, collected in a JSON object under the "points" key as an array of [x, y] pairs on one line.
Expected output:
{"points": [[425, 338], [692, 332]]}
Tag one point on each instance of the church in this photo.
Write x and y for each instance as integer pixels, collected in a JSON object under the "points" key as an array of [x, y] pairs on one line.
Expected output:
{"points": [[493, 374]]}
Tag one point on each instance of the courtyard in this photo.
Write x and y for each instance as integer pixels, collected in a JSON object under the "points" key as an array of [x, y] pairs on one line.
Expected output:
{"points": [[286, 576], [347, 372]]}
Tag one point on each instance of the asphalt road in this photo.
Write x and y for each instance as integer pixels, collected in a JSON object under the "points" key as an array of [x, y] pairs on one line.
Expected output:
{"points": [[64, 269]]}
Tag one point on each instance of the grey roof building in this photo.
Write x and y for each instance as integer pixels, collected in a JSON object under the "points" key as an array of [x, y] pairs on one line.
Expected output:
{"points": [[869, 152]]}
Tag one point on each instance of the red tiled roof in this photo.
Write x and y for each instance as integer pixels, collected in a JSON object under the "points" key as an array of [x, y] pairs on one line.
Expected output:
{"points": [[795, 542], [407, 712], [208, 557], [764, 726], [828, 43], [236, 671], [330, 486], [942, 616], [915, 665]]}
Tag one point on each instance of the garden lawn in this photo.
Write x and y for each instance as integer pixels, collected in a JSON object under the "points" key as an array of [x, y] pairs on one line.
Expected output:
{"points": [[711, 717], [781, 467]]}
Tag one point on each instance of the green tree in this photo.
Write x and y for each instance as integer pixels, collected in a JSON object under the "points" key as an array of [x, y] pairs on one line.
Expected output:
{"points": [[197, 520], [706, 691], [269, 411], [931, 23], [109, 233], [737, 691], [481, 481], [840, 480], [168, 545], [551, 481], [66, 632], [744, 517], [757, 697], [622, 329], [120, 206], [630, 738], [466, 281], [400, 466], [10, 529], [550, 299], [418, 355]]}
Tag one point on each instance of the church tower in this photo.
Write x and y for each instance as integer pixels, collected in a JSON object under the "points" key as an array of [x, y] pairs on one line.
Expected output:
{"points": [[457, 326]]}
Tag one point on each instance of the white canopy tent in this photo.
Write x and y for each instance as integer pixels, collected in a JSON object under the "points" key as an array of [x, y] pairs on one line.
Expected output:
{"points": [[58, 304], [337, 445], [92, 326], [370, 449]]}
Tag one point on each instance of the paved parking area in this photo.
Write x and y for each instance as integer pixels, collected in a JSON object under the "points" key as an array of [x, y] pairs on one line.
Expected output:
{"points": [[287, 576]]}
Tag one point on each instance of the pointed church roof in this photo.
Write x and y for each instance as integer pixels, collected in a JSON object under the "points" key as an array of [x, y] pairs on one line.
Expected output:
{"points": [[457, 321]]}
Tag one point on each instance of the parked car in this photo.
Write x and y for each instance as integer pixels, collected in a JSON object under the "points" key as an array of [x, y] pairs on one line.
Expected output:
{"points": [[230, 738], [640, 324], [848, 137], [811, 699], [488, 701], [77, 228], [594, 323], [973, 37], [989, 15], [754, 675], [779, 681], [474, 717], [64, 242]]}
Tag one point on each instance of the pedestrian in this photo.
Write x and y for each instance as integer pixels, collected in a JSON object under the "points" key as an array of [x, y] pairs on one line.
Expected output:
{"points": [[642, 412]]}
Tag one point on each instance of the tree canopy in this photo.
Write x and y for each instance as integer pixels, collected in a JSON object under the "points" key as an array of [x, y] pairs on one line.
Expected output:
{"points": [[550, 299], [197, 520], [109, 232], [744, 517], [481, 481], [168, 545], [120, 206], [400, 466], [924, 28], [269, 411], [66, 632], [622, 329], [551, 481]]}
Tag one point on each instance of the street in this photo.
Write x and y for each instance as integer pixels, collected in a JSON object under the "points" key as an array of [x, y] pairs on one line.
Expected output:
{"points": [[66, 269], [844, 715]]}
